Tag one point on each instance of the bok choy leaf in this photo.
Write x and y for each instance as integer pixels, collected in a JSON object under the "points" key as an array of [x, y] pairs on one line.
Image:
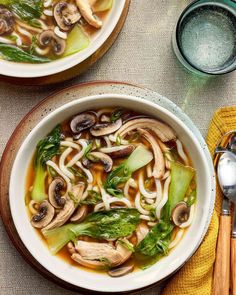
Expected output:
{"points": [[181, 177], [157, 240], [46, 149], [139, 158], [13, 53], [113, 224]]}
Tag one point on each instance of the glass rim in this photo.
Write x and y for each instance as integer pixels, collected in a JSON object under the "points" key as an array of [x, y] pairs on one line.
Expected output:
{"points": [[177, 31]]}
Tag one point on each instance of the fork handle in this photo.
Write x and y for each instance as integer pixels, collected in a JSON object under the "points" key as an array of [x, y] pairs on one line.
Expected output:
{"points": [[233, 266], [222, 261]]}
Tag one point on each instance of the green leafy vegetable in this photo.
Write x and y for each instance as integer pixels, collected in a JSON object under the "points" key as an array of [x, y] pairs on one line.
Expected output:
{"points": [[116, 115], [125, 243], [76, 172], [112, 224], [192, 198], [12, 37], [181, 177], [13, 53], [51, 171], [27, 10], [88, 150], [139, 158], [156, 241], [46, 149], [92, 199], [77, 40], [73, 198], [33, 44]]}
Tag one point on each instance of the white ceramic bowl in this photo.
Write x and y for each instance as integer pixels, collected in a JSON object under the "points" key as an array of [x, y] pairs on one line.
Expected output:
{"points": [[24, 70], [137, 279]]}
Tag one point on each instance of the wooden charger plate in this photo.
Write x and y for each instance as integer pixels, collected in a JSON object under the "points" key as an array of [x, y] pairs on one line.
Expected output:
{"points": [[46, 106], [22, 130], [78, 69]]}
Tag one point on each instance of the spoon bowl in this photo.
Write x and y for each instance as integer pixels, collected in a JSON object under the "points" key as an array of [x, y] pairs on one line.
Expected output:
{"points": [[227, 175]]}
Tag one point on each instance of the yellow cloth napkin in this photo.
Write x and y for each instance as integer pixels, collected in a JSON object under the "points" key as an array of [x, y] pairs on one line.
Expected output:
{"points": [[195, 277]]}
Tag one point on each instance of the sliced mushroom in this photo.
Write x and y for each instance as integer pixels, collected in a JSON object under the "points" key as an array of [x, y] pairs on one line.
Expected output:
{"points": [[106, 128], [159, 165], [44, 216], [6, 21], [180, 214], [86, 11], [120, 271], [80, 214], [105, 159], [91, 254], [133, 117], [66, 14], [120, 151], [54, 193], [162, 130], [69, 207], [49, 38], [82, 122]]}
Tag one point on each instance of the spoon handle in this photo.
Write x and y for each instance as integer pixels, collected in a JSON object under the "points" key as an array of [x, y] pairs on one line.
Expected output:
{"points": [[222, 262], [233, 266]]}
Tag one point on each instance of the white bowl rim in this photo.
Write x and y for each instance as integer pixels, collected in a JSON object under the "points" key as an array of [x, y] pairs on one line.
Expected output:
{"points": [[208, 205], [28, 70]]}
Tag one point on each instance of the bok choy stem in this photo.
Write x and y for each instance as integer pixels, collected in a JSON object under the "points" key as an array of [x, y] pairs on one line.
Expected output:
{"points": [[46, 149]]}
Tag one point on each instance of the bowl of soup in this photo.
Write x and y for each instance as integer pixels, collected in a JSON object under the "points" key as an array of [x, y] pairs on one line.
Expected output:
{"points": [[111, 193], [45, 37]]}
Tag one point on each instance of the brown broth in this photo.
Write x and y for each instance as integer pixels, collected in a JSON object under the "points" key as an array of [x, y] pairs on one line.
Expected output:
{"points": [[97, 171]]}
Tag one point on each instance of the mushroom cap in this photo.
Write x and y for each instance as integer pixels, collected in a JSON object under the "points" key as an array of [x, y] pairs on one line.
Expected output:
{"points": [[66, 14], [7, 20], [120, 271], [80, 214], [120, 151], [83, 121], [44, 215], [105, 159], [180, 213], [69, 207], [86, 11], [49, 38], [54, 193], [105, 128]]}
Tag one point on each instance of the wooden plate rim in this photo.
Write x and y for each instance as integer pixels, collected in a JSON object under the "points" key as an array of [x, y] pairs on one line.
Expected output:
{"points": [[14, 237], [8, 222]]}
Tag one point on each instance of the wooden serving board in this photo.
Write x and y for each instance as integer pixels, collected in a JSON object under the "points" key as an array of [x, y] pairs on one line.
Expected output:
{"points": [[78, 69], [22, 130]]}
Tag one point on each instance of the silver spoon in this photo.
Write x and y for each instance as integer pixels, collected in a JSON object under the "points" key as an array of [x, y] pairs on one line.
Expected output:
{"points": [[226, 171]]}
